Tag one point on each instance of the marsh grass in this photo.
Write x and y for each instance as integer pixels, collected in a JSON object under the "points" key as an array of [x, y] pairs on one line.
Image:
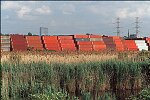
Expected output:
{"points": [[82, 75], [22, 78]]}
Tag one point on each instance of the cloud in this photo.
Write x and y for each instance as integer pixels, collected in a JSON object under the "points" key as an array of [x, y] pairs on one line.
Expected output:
{"points": [[122, 13], [93, 9], [68, 8], [43, 10], [24, 11], [99, 10], [20, 9], [10, 5], [138, 11]]}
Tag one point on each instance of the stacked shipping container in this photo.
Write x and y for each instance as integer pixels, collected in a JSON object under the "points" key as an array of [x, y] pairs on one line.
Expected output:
{"points": [[148, 42], [130, 45], [118, 43], [83, 43], [89, 42], [97, 42], [67, 43], [18, 43], [5, 43], [51, 43], [141, 44], [109, 41], [34, 42]]}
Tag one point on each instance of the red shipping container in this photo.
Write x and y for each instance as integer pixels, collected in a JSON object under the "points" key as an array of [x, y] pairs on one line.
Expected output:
{"points": [[21, 45], [85, 46], [84, 43], [115, 37], [95, 36], [65, 37], [148, 39], [98, 49], [52, 45], [69, 45], [54, 48], [118, 42], [33, 38], [51, 41], [99, 46], [85, 49], [37, 37], [98, 43], [68, 49], [18, 46], [18, 43], [49, 37], [66, 41], [22, 42], [81, 36], [35, 45], [34, 42], [17, 36]]}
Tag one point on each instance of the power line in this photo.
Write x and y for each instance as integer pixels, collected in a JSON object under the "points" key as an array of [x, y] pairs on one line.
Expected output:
{"points": [[117, 26], [137, 26]]}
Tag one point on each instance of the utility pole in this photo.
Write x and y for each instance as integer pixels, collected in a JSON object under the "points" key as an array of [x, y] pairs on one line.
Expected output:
{"points": [[137, 26], [118, 26]]}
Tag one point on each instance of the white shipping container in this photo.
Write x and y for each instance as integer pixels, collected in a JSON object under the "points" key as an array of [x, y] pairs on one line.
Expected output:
{"points": [[5, 40], [143, 48], [139, 40], [5, 37], [141, 44], [5, 46], [5, 49]]}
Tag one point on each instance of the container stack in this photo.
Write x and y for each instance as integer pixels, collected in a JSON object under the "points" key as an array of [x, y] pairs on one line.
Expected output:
{"points": [[109, 41], [130, 45], [83, 42], [118, 43], [148, 42], [97, 42], [67, 43], [18, 43], [141, 44], [34, 42], [51, 43], [5, 43]]}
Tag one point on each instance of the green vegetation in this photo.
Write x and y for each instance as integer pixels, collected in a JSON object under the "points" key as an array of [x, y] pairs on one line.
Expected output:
{"points": [[62, 81], [143, 95]]}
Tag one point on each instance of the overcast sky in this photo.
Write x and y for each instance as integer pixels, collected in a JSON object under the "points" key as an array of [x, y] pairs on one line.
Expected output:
{"points": [[64, 17]]}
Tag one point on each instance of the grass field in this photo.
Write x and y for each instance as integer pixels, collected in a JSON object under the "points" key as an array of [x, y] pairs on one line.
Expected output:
{"points": [[72, 75]]}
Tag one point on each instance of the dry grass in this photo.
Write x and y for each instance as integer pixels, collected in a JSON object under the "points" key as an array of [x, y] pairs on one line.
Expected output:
{"points": [[53, 57], [88, 72], [72, 57]]}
